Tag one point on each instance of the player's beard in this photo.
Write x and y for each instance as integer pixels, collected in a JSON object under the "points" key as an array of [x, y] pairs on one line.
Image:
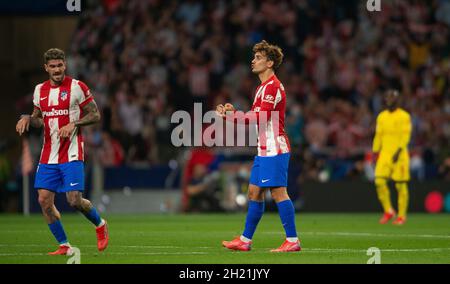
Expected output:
{"points": [[58, 78]]}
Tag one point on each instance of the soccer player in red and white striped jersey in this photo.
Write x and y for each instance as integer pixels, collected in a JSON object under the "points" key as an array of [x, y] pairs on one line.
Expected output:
{"points": [[61, 106], [270, 167]]}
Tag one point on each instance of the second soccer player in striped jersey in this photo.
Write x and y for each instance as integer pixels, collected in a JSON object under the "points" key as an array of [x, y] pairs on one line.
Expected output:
{"points": [[61, 106]]}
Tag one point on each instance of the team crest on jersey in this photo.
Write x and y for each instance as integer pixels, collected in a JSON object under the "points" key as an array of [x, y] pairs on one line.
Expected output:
{"points": [[63, 95]]}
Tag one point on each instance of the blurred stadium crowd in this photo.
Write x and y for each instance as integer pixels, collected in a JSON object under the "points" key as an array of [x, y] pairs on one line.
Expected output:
{"points": [[144, 60]]}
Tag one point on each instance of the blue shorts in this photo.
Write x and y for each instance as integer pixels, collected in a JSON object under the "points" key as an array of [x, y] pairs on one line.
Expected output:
{"points": [[60, 177], [270, 171]]}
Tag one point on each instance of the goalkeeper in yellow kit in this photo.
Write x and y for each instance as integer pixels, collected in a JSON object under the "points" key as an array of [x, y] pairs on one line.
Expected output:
{"points": [[393, 132]]}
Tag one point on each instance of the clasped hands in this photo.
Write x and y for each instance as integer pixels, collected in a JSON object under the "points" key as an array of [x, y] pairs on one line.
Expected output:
{"points": [[222, 109]]}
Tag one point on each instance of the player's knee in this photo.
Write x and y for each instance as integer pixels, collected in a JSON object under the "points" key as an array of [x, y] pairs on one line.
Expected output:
{"points": [[380, 182], [45, 202], [74, 202], [279, 195], [252, 195], [401, 186], [255, 195]]}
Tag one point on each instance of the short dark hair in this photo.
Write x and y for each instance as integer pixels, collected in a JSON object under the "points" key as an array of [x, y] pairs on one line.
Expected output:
{"points": [[273, 52], [54, 53]]}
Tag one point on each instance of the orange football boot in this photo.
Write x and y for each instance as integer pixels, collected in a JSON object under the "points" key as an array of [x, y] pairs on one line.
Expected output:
{"points": [[102, 236], [387, 216], [399, 221], [62, 250], [237, 244], [288, 246]]}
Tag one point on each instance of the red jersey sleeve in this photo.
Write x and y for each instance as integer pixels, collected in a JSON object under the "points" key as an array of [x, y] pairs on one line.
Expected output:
{"points": [[86, 95]]}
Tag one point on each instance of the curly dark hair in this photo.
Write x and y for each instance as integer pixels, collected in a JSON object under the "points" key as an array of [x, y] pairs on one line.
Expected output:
{"points": [[273, 52]]}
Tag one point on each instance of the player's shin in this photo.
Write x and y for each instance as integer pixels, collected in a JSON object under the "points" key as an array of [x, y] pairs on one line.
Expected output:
{"points": [[287, 215], [403, 198], [52, 216], [58, 232], [383, 194], [91, 213], [254, 214]]}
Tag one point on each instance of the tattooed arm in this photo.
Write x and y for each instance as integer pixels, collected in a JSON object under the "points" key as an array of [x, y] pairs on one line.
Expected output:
{"points": [[35, 120], [91, 116]]}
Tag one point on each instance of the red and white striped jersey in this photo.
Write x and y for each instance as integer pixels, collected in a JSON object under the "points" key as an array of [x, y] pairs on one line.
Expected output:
{"points": [[270, 98], [61, 105]]}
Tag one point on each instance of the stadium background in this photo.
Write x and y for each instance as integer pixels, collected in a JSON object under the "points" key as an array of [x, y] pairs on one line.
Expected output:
{"points": [[143, 60]]}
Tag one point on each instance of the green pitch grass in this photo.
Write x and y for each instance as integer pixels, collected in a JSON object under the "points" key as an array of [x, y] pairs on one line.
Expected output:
{"points": [[196, 239]]}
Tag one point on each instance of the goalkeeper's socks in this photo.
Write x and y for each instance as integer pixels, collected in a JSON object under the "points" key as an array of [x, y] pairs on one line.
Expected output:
{"points": [[403, 197], [58, 232], [254, 214], [93, 216], [287, 216], [383, 194]]}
